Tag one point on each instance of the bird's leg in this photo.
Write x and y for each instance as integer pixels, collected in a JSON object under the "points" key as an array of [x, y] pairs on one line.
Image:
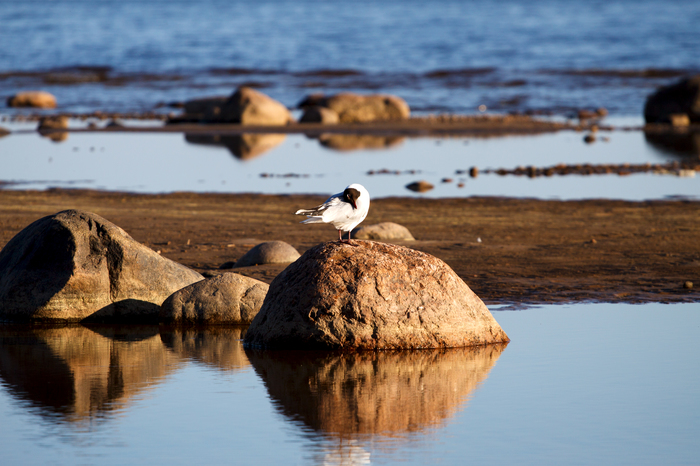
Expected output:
{"points": [[340, 236]]}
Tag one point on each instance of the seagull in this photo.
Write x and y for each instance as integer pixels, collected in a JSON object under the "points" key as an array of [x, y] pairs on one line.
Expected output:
{"points": [[344, 210]]}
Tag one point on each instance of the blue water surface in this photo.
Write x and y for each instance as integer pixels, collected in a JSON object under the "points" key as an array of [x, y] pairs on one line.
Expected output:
{"points": [[445, 55]]}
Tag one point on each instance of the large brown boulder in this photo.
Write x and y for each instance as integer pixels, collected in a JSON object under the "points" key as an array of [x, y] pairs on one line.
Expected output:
{"points": [[249, 107], [39, 99], [671, 101], [77, 266], [367, 295], [354, 108], [229, 298]]}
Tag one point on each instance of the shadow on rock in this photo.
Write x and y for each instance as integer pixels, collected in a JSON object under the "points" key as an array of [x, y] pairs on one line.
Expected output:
{"points": [[243, 146], [78, 374], [683, 143], [389, 392]]}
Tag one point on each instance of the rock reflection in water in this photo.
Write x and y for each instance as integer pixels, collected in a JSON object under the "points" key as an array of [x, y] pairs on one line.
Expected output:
{"points": [[81, 373], [220, 347], [389, 392], [242, 146], [679, 142], [349, 142]]}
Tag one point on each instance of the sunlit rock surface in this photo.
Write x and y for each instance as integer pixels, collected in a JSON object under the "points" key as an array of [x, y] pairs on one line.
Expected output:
{"points": [[75, 266], [229, 298], [369, 295]]}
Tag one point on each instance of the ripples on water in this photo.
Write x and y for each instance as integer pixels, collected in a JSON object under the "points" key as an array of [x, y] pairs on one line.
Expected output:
{"points": [[550, 56]]}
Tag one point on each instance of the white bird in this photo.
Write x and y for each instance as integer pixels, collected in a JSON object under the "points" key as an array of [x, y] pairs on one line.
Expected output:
{"points": [[344, 210]]}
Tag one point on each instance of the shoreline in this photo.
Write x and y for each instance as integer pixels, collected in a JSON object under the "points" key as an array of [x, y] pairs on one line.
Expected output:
{"points": [[510, 251]]}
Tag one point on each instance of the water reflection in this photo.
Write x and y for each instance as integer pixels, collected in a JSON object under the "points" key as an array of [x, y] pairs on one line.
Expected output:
{"points": [[680, 142], [387, 392], [219, 347], [350, 142], [242, 146], [78, 373]]}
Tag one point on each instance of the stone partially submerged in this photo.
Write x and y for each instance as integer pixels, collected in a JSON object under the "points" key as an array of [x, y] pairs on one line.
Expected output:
{"points": [[77, 266], [229, 298], [357, 108], [367, 295]]}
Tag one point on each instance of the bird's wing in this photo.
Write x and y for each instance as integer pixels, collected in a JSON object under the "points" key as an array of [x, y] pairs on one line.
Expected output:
{"points": [[319, 210]]}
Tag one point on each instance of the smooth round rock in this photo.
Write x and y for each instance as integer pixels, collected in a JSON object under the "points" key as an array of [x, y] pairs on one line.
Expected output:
{"points": [[368, 295], [385, 231], [249, 107], [38, 99], [229, 298], [271, 252]]}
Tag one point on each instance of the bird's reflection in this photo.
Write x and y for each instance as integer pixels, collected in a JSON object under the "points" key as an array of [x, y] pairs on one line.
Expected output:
{"points": [[339, 394], [242, 146]]}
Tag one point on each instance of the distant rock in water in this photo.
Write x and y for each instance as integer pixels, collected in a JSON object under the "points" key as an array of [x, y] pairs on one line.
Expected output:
{"points": [[229, 298], [669, 103], [77, 266], [271, 252], [368, 295], [38, 99], [421, 186], [317, 114], [357, 108], [385, 231]]}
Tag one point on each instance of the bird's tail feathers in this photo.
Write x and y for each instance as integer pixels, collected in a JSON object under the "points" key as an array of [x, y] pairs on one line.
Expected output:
{"points": [[313, 220]]}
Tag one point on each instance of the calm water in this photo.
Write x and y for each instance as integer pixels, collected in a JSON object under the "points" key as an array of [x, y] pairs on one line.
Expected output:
{"points": [[160, 162], [580, 384], [447, 55]]}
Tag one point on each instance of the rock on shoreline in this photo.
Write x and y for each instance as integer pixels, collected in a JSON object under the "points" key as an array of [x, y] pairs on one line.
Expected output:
{"points": [[366, 296]]}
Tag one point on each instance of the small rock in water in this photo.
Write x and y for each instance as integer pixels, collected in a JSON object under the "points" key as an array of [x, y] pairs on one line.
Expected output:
{"points": [[420, 186]]}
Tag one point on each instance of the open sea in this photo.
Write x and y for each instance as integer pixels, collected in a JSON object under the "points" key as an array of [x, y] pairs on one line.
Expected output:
{"points": [[538, 56]]}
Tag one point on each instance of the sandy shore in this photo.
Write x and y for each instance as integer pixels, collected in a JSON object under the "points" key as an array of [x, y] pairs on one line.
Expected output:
{"points": [[530, 252]]}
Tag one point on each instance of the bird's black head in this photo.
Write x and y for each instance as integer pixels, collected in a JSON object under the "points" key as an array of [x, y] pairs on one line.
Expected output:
{"points": [[351, 195]]}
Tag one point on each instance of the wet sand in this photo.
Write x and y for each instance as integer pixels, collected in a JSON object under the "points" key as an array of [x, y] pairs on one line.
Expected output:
{"points": [[531, 251]]}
